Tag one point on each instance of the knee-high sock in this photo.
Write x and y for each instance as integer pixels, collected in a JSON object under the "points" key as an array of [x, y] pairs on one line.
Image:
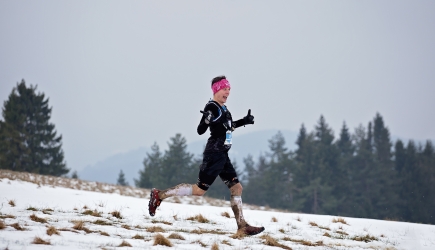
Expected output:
{"points": [[236, 205], [179, 190]]}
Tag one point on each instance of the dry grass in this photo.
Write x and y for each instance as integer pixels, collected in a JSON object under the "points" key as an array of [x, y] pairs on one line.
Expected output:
{"points": [[199, 242], [215, 246], [326, 234], [304, 242], [281, 230], [35, 218], [274, 219], [52, 230], [339, 220], [366, 238], [138, 237], [126, 227], [341, 232], [156, 229], [269, 241], [7, 216], [199, 218], [17, 227], [312, 223], [161, 221], [104, 233], [103, 223], [176, 236], [2, 225], [32, 209], [238, 235], [124, 244], [79, 225], [116, 214], [326, 228], [161, 240], [226, 242], [225, 214], [94, 213], [40, 241], [12, 203], [299, 219], [206, 231], [47, 211]]}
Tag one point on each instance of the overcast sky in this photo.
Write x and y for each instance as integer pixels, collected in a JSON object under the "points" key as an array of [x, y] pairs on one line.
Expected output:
{"points": [[123, 74]]}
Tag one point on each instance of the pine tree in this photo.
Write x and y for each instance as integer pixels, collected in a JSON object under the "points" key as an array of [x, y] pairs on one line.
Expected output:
{"points": [[121, 179], [28, 141], [151, 174], [74, 175], [177, 164]]}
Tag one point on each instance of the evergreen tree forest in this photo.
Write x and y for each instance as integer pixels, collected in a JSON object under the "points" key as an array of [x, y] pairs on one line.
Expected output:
{"points": [[28, 140], [360, 174]]}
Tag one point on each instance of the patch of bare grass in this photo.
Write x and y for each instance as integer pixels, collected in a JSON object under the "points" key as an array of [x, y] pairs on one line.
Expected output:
{"points": [[38, 240], [270, 241], [80, 225], [103, 223], [225, 214], [206, 231], [126, 227], [299, 219], [327, 234], [176, 236], [366, 238], [274, 219], [35, 218], [312, 223], [199, 218], [281, 230], [17, 227], [238, 235], [124, 244], [155, 229], [116, 214], [47, 211], [11, 203], [94, 213], [161, 240], [339, 220], [161, 221], [7, 216], [2, 225], [226, 242], [32, 209], [199, 242], [215, 246], [138, 237], [104, 233], [52, 230], [304, 242], [341, 232], [326, 228]]}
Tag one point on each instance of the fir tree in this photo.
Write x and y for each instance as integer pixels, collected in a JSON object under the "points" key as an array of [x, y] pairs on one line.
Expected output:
{"points": [[151, 173], [177, 164], [28, 141], [74, 175], [121, 179]]}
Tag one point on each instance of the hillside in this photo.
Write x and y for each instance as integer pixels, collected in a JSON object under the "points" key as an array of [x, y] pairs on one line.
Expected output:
{"points": [[65, 213]]}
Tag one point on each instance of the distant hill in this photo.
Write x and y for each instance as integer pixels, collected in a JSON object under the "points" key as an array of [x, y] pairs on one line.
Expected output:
{"points": [[254, 143]]}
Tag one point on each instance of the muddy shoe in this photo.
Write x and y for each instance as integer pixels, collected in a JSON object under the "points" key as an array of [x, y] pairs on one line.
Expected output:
{"points": [[154, 201], [250, 230]]}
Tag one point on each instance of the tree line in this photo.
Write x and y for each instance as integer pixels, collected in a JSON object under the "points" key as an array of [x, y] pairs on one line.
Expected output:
{"points": [[359, 174]]}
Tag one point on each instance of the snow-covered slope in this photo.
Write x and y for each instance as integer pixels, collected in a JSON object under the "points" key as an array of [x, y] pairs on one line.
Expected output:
{"points": [[95, 220]]}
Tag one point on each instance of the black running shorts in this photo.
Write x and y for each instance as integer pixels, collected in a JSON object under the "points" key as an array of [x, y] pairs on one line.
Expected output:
{"points": [[214, 165]]}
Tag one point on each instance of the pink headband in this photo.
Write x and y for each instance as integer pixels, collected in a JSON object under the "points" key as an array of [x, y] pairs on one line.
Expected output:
{"points": [[220, 85]]}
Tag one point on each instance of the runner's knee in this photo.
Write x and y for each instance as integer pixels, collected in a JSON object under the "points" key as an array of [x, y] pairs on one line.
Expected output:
{"points": [[236, 189], [197, 191]]}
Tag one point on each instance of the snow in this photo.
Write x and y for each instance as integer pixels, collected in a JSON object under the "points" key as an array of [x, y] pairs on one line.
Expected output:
{"points": [[63, 207]]}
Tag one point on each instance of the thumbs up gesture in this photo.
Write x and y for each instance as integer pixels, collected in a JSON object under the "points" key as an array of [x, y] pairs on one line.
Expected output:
{"points": [[249, 119]]}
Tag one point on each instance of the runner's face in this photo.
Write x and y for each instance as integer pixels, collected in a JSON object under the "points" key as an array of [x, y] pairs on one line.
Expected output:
{"points": [[222, 95]]}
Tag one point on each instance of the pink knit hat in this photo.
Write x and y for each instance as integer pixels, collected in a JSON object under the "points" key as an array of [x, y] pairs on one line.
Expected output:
{"points": [[224, 83]]}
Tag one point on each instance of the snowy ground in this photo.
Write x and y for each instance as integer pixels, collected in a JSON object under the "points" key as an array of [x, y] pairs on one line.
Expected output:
{"points": [[95, 220]]}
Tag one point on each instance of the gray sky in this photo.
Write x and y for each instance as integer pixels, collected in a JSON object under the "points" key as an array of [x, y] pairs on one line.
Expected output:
{"points": [[123, 74]]}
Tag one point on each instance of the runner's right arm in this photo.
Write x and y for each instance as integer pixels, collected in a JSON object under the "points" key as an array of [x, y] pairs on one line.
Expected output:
{"points": [[202, 127]]}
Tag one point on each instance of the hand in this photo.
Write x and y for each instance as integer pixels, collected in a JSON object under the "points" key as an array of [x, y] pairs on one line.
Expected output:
{"points": [[208, 116], [249, 119]]}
